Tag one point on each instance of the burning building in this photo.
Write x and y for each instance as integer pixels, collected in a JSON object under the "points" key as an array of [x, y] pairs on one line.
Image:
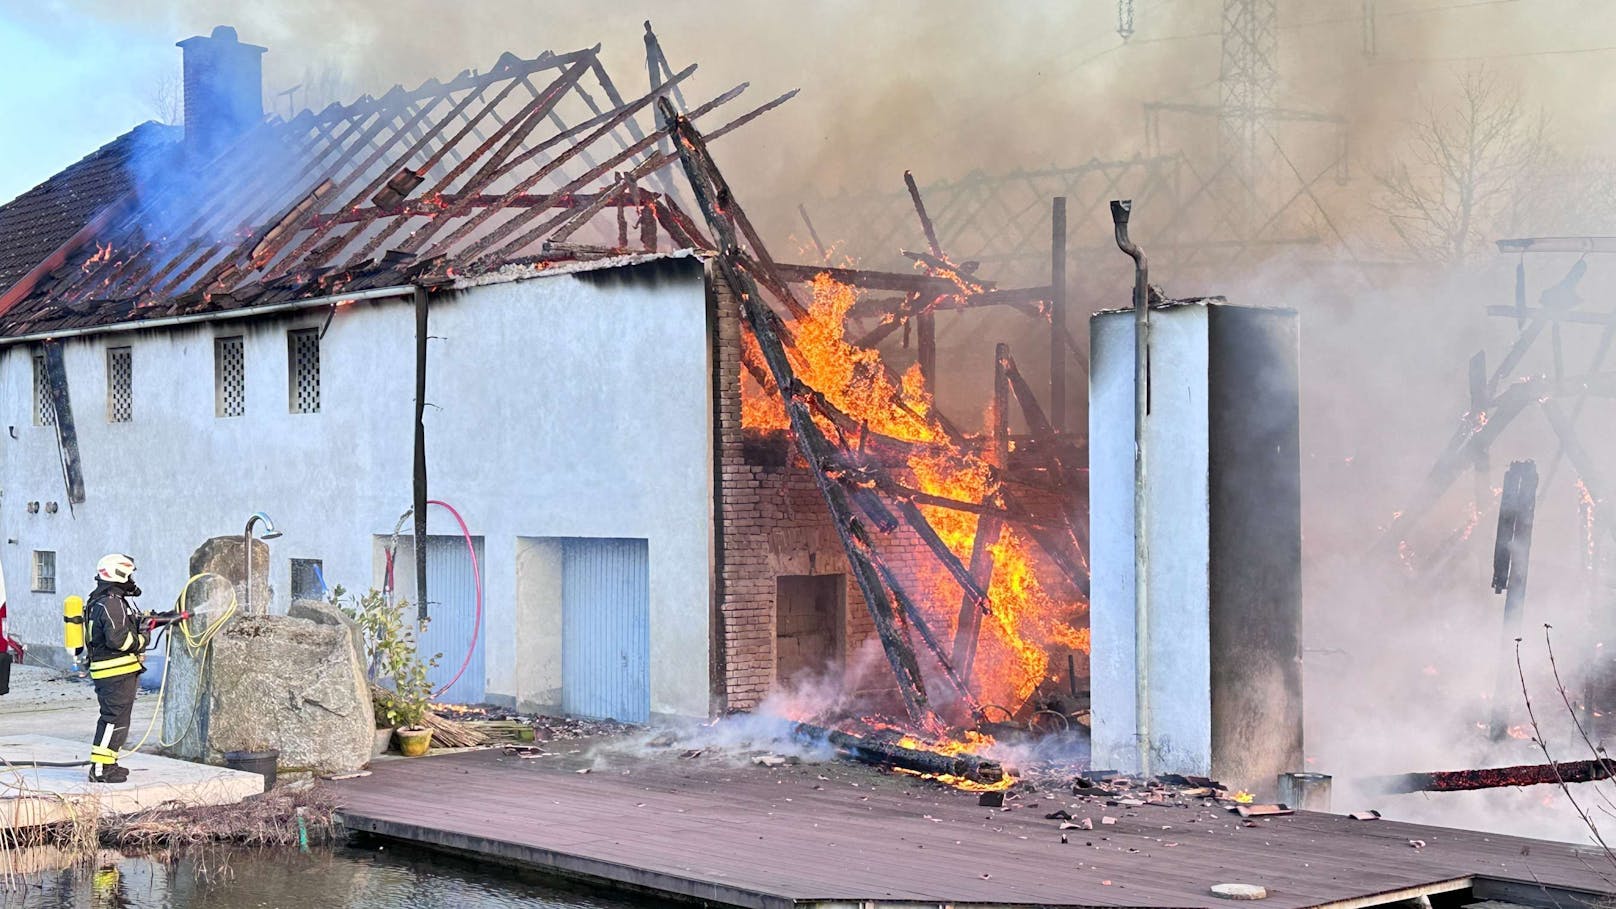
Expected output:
{"points": [[255, 313], [497, 292]]}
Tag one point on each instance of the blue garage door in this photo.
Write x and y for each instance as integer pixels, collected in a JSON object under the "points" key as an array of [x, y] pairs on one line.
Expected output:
{"points": [[452, 608], [606, 629]]}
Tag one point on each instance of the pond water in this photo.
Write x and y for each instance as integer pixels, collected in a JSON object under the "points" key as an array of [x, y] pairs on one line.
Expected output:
{"points": [[361, 876]]}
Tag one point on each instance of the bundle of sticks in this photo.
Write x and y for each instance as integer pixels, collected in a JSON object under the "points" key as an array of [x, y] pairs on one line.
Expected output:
{"points": [[446, 733]]}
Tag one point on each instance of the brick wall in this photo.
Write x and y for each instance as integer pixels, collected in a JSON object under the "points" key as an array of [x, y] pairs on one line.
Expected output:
{"points": [[774, 522]]}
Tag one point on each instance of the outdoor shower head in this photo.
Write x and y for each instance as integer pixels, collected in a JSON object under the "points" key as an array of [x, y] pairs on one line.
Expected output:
{"points": [[269, 533]]}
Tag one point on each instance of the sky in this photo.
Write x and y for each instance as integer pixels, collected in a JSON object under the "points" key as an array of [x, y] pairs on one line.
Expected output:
{"points": [[63, 98], [942, 86]]}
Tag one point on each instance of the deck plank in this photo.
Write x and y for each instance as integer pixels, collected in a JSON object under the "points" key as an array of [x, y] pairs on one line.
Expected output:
{"points": [[780, 836]]}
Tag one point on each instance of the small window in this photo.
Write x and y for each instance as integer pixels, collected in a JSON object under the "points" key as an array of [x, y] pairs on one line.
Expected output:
{"points": [[229, 378], [44, 408], [303, 370], [44, 571], [120, 385], [308, 580]]}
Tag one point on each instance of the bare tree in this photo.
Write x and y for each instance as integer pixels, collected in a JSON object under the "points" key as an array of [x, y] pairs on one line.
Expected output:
{"points": [[1468, 168], [167, 100], [1572, 194]]}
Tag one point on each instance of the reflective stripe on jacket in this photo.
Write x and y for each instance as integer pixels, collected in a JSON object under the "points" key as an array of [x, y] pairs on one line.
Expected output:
{"points": [[114, 631]]}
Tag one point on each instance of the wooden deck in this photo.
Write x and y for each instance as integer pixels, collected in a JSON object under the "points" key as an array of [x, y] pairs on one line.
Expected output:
{"points": [[823, 835]]}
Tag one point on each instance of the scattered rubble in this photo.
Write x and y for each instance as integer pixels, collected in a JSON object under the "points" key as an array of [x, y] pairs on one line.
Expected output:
{"points": [[495, 724]]}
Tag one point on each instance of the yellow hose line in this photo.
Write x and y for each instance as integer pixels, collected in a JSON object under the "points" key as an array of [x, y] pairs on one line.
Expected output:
{"points": [[195, 644]]}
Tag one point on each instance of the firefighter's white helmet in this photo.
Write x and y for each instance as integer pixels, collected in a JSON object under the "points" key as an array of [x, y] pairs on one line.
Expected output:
{"points": [[115, 567]]}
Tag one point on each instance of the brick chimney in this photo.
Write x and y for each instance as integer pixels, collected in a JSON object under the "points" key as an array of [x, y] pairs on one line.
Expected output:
{"points": [[224, 86]]}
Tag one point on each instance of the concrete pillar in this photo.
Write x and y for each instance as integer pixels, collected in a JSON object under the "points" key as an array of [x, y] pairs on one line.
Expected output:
{"points": [[1224, 521]]}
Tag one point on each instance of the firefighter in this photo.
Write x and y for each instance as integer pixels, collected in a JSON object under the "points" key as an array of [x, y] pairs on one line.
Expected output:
{"points": [[117, 640]]}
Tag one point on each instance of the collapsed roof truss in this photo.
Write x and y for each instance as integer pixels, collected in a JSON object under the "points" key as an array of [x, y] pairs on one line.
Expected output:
{"points": [[445, 179]]}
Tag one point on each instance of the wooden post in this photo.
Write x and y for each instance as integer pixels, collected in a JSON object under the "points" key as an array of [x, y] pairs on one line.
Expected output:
{"points": [[623, 187], [420, 497], [824, 254], [643, 200], [988, 527], [926, 350], [1057, 315], [1478, 405], [1511, 551]]}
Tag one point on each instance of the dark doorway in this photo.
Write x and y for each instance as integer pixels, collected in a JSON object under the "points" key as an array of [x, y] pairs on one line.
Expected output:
{"points": [[809, 618]]}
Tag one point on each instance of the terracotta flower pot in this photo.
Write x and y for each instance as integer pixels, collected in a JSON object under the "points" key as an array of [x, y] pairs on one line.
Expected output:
{"points": [[413, 741]]}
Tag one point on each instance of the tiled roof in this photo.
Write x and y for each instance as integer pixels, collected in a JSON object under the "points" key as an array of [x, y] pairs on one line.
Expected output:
{"points": [[38, 222], [520, 164]]}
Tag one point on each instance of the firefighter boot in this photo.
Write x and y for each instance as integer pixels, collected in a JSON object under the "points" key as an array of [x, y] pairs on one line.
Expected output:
{"points": [[108, 772]]}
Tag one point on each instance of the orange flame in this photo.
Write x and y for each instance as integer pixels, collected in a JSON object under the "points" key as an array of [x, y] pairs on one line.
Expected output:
{"points": [[102, 254], [1027, 616]]}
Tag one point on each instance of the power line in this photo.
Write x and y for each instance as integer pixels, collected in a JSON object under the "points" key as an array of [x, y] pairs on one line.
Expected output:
{"points": [[1484, 57], [1416, 11]]}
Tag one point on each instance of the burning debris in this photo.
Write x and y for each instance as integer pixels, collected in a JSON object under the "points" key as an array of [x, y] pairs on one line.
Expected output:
{"points": [[908, 754], [972, 624], [1495, 777]]}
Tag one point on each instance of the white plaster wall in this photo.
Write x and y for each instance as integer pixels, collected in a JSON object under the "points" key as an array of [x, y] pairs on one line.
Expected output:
{"points": [[1111, 554], [538, 639], [1179, 526], [559, 407]]}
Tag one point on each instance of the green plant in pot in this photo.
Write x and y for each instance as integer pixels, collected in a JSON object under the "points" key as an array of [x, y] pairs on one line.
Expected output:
{"points": [[400, 688]]}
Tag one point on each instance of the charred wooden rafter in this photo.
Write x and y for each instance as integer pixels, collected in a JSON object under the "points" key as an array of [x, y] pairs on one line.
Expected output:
{"points": [[1476, 433], [927, 323], [718, 205], [850, 465], [890, 754], [315, 200], [871, 280], [1496, 777], [988, 527]]}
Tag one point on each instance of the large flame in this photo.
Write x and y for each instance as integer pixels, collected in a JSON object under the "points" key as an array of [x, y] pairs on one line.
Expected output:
{"points": [[1028, 616]]}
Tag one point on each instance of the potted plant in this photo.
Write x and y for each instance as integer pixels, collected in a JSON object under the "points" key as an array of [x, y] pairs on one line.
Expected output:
{"points": [[411, 698], [376, 622], [401, 690]]}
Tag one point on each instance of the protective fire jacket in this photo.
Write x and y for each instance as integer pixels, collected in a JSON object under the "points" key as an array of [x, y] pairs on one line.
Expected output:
{"points": [[116, 640]]}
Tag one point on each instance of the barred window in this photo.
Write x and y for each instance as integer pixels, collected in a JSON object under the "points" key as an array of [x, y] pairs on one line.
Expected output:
{"points": [[303, 370], [120, 385], [229, 377], [44, 580], [44, 408]]}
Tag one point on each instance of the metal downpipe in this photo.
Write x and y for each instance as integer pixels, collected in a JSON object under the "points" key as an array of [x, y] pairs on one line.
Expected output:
{"points": [[1141, 539]]}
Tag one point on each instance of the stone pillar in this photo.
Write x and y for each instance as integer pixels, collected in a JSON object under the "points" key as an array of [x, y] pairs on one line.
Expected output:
{"points": [[1224, 527], [296, 682], [185, 708]]}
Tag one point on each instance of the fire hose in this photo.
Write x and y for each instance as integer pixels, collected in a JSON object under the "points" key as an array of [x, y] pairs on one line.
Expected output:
{"points": [[195, 643]]}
